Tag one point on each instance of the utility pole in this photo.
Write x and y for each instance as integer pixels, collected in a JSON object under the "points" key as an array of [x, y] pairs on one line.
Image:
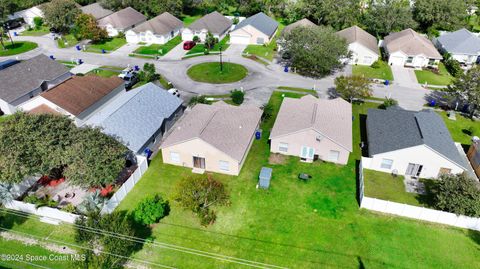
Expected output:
{"points": [[221, 63]]}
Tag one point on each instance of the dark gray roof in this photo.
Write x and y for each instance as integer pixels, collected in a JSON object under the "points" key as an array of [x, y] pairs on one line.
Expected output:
{"points": [[461, 41], [140, 117], [96, 10], [261, 22], [26, 76], [214, 22], [395, 129]]}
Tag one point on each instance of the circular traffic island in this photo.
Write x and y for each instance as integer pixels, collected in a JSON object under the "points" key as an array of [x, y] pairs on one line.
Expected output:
{"points": [[16, 48], [212, 72]]}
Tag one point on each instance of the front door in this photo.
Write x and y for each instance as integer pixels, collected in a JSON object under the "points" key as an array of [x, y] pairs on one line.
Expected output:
{"points": [[414, 170], [199, 162]]}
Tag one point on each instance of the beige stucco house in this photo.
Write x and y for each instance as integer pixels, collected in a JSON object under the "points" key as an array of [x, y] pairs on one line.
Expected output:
{"points": [[313, 128], [213, 138], [362, 45]]}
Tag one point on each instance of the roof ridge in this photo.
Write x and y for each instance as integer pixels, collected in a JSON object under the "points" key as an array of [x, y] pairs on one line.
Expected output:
{"points": [[207, 123], [314, 113]]}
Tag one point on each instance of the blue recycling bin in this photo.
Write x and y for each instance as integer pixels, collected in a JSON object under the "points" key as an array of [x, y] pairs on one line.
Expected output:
{"points": [[80, 61], [387, 82], [15, 34], [432, 103], [78, 47], [136, 68], [258, 135], [148, 153], [103, 51], [51, 57], [285, 69]]}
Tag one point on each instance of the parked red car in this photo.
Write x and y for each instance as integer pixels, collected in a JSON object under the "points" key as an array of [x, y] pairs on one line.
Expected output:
{"points": [[188, 45]]}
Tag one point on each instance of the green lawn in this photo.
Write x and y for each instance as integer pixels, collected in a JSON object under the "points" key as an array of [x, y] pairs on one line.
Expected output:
{"points": [[17, 47], [475, 23], [431, 78], [210, 72], [156, 49], [300, 90], [263, 51], [109, 45], [187, 19], [200, 48], [461, 129], [383, 72], [295, 224], [36, 32], [104, 73], [67, 41]]}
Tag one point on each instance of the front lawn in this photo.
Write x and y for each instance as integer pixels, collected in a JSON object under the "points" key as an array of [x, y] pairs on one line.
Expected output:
{"points": [[462, 129], [315, 224], [200, 48], [108, 45], [36, 32], [156, 49], [427, 76], [382, 72], [262, 51], [17, 47], [67, 41], [104, 72], [210, 72]]}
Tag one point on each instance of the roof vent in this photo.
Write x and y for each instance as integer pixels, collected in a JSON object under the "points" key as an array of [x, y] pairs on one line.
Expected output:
{"points": [[240, 127], [319, 138]]}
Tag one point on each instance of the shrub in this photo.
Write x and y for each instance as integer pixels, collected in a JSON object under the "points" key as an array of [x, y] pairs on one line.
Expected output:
{"points": [[453, 67], [201, 99], [69, 208], [235, 21], [196, 39], [237, 96], [389, 102], [151, 209], [267, 111], [38, 22], [376, 64]]}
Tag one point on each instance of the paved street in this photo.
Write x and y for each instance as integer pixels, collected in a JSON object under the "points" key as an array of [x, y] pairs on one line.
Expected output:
{"points": [[259, 84]]}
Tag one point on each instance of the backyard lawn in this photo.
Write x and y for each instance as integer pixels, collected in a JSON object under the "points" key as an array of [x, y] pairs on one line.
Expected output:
{"points": [[210, 72], [67, 41], [442, 79], [17, 47], [36, 32], [382, 72], [461, 129], [187, 19], [108, 45], [156, 49]]}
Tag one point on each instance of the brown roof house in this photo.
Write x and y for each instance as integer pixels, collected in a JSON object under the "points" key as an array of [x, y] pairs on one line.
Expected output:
{"points": [[158, 30], [96, 10], [408, 48], [214, 22], [213, 138], [22, 82], [313, 128], [300, 23], [362, 45], [121, 21], [78, 97]]}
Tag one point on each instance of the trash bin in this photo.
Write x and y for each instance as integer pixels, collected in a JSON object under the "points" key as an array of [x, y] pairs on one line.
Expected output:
{"points": [[432, 103], [51, 57], [387, 82], [285, 69], [80, 61], [103, 51], [15, 34], [136, 68], [258, 134]]}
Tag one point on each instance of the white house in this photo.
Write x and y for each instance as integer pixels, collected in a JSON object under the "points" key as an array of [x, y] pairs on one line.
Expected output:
{"points": [[258, 29], [214, 22], [416, 144], [408, 48], [158, 30], [462, 45], [362, 45], [27, 15], [121, 21]]}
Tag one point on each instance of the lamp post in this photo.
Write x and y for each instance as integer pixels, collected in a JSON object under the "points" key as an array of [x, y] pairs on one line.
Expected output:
{"points": [[221, 62]]}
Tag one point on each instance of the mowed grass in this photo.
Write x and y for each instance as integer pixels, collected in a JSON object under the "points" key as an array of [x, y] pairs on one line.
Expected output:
{"points": [[67, 41], [200, 48], [462, 129], [442, 79], [187, 19], [315, 224], [263, 51], [108, 45], [104, 73], [36, 32], [157, 49], [17, 47], [382, 72], [210, 72]]}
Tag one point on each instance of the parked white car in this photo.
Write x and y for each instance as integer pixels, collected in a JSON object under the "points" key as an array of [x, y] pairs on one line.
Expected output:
{"points": [[125, 72], [174, 92]]}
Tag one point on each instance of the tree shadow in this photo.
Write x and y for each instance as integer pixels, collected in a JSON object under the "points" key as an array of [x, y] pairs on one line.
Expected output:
{"points": [[363, 135], [427, 199], [475, 236], [360, 263], [9, 219]]}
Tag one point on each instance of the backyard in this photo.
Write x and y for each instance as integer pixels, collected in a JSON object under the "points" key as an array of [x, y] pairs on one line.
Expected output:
{"points": [[157, 49], [108, 45], [17, 47], [462, 129], [443, 78], [382, 72]]}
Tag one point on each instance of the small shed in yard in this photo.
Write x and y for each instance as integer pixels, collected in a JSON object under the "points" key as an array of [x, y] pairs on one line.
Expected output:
{"points": [[265, 177]]}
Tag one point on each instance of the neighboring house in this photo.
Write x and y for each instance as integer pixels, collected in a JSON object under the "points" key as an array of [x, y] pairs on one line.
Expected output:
{"points": [[408, 48], [214, 22], [258, 29], [362, 45], [213, 138], [96, 10], [121, 21], [474, 155], [23, 81], [158, 30], [313, 128], [28, 14], [416, 144], [141, 121], [462, 45], [301, 23], [79, 97]]}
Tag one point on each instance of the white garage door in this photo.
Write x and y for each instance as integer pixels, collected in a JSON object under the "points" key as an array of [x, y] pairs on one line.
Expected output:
{"points": [[238, 39], [396, 60]]}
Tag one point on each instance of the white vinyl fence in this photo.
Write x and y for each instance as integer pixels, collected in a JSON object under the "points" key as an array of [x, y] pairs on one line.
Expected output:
{"points": [[53, 214], [127, 186], [415, 212]]}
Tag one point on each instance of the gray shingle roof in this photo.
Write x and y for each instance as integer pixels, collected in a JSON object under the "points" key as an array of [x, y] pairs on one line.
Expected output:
{"points": [[96, 10], [301, 23], [261, 22], [394, 129], [461, 41], [22, 78], [160, 25], [357, 34], [123, 19], [410, 43], [138, 119], [214, 22]]}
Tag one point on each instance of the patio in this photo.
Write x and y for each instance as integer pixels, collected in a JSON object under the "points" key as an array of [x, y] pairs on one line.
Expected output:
{"points": [[60, 191]]}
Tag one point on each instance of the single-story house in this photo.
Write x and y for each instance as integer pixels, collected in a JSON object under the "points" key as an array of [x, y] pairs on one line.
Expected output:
{"points": [[78, 97], [462, 45], [313, 128], [158, 30], [214, 22], [28, 14], [408, 48], [258, 29], [213, 138], [121, 21], [300, 23], [143, 118], [474, 155], [96, 10], [23, 81], [416, 144], [362, 45]]}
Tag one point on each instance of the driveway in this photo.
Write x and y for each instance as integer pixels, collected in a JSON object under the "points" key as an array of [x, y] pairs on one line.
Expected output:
{"points": [[175, 54], [235, 49], [404, 76], [125, 50]]}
